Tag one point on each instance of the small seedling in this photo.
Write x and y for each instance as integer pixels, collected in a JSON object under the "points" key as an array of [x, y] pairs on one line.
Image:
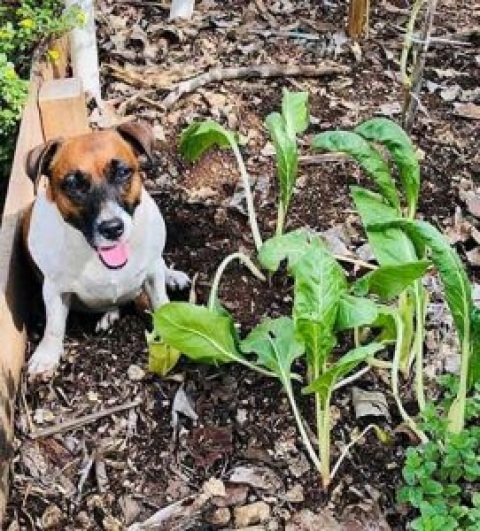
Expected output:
{"points": [[284, 128]]}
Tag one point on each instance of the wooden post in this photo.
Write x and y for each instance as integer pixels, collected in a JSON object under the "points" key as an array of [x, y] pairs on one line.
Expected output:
{"points": [[62, 107], [357, 18], [84, 52]]}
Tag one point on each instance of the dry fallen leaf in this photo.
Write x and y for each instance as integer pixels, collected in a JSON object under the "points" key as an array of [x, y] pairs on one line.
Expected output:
{"points": [[369, 403], [467, 110]]}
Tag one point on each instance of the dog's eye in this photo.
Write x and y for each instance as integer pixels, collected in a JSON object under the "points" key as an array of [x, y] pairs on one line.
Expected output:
{"points": [[120, 173], [76, 184]]}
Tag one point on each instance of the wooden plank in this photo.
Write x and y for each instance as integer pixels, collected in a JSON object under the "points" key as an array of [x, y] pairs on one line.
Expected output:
{"points": [[62, 108], [12, 289]]}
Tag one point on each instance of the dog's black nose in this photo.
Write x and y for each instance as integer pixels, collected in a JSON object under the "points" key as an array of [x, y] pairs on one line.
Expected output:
{"points": [[111, 229]]}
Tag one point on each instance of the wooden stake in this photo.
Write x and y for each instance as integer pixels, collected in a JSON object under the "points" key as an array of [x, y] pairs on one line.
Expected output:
{"points": [[357, 18]]}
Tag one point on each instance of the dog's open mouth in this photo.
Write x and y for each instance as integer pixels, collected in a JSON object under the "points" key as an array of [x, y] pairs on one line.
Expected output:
{"points": [[114, 257]]}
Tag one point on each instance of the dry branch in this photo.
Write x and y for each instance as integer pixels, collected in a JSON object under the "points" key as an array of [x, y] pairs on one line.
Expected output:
{"points": [[81, 421], [245, 72], [413, 95]]}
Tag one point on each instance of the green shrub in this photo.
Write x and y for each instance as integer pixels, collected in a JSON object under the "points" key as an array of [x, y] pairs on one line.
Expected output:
{"points": [[23, 26]]}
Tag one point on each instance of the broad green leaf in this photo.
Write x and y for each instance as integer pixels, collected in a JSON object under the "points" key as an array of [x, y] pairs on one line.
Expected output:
{"points": [[389, 281], [274, 342], [161, 357], [286, 156], [354, 312], [198, 137], [458, 293], [290, 246], [324, 385], [295, 112], [474, 370], [199, 333], [394, 138], [391, 246], [366, 155], [319, 284]]}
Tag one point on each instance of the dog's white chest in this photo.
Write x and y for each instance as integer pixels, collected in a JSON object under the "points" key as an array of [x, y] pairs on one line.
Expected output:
{"points": [[64, 256]]}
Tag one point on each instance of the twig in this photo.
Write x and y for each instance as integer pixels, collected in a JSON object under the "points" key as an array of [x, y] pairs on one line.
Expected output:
{"points": [[81, 421], [279, 33], [346, 450], [262, 71], [355, 261], [413, 95]]}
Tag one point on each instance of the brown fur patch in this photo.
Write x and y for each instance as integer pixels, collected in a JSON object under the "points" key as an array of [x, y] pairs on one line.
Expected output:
{"points": [[91, 154]]}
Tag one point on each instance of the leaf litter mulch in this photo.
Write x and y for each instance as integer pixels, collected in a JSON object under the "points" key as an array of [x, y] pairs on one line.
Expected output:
{"points": [[216, 447]]}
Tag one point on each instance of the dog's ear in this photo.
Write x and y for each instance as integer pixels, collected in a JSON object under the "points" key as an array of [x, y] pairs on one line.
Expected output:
{"points": [[39, 159], [140, 136]]}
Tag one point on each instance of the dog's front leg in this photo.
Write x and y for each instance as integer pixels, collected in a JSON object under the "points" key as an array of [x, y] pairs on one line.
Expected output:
{"points": [[48, 353], [155, 285]]}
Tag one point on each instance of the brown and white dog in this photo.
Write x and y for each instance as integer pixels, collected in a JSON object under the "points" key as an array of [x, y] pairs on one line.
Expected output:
{"points": [[95, 234]]}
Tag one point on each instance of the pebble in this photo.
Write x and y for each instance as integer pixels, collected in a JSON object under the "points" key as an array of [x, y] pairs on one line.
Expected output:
{"points": [[295, 494], [52, 518], [220, 517], [135, 373], [253, 513]]}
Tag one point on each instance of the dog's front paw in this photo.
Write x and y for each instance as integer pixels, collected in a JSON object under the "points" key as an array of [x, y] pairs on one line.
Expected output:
{"points": [[177, 279], [45, 359], [107, 320]]}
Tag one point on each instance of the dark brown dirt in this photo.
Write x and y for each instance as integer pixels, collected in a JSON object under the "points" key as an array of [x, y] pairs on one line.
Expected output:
{"points": [[144, 463]]}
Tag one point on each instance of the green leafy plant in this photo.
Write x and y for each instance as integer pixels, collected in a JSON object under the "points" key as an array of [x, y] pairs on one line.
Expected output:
{"points": [[284, 128], [322, 308], [441, 476], [201, 136], [458, 295], [391, 248]]}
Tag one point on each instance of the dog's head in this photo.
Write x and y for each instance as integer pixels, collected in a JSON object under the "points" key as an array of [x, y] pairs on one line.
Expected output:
{"points": [[95, 182]]}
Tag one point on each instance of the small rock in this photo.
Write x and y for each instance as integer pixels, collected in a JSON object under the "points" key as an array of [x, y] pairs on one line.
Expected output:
{"points": [[135, 373], [473, 205], [234, 495], [473, 256], [82, 521], [253, 513], [299, 466], [307, 520], [219, 517], [241, 416], [110, 523], [214, 488], [52, 517], [295, 494]]}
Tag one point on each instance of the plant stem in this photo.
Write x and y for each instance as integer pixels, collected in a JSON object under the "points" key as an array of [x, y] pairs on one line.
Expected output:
{"points": [[395, 370], [248, 195], [456, 415], [418, 343], [280, 218], [221, 268], [324, 441], [301, 427], [346, 450], [355, 376]]}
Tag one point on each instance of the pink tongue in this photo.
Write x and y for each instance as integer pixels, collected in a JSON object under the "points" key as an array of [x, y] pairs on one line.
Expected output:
{"points": [[114, 257]]}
